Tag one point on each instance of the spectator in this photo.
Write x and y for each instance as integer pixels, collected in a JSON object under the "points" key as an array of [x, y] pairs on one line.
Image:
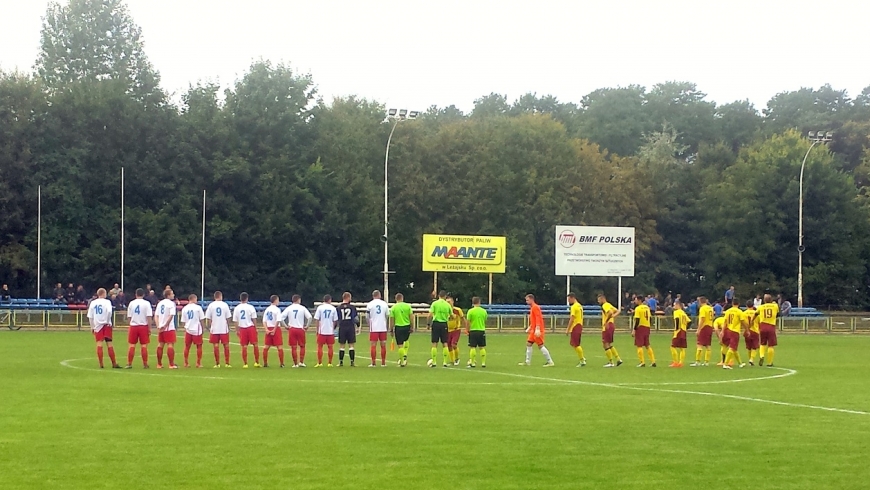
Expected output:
{"points": [[70, 294], [652, 303], [152, 298], [729, 295], [693, 308], [81, 297], [717, 309], [115, 290], [120, 301], [757, 301], [669, 301], [5, 295], [59, 294], [785, 308]]}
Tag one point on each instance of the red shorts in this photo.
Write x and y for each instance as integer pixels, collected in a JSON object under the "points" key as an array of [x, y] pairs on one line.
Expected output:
{"points": [[382, 337], [325, 339], [607, 333], [752, 340], [733, 339], [296, 336], [576, 334], [276, 339], [705, 336], [453, 337], [219, 338], [166, 337], [190, 339], [679, 342], [248, 335], [105, 333], [641, 337], [139, 334], [768, 335]]}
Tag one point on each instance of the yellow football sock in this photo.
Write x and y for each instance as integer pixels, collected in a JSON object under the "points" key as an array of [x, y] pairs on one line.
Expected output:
{"points": [[728, 357], [752, 355], [707, 353], [698, 353], [724, 351], [483, 356], [763, 351], [640, 355], [579, 350], [615, 354], [675, 356], [652, 355], [445, 355], [434, 354], [608, 354], [770, 353], [682, 356], [737, 356], [472, 354]]}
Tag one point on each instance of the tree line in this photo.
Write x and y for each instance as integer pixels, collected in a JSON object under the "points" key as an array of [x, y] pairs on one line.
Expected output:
{"points": [[295, 182]]}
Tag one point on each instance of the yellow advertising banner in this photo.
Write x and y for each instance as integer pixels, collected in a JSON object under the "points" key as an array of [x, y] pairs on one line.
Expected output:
{"points": [[462, 253]]}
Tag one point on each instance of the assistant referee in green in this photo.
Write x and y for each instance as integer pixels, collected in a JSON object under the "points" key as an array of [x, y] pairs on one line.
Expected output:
{"points": [[439, 313]]}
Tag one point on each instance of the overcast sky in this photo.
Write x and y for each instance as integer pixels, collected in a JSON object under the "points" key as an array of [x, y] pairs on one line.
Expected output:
{"points": [[415, 54]]}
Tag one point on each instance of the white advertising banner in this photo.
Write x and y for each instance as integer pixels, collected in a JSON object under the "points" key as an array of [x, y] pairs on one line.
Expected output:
{"points": [[602, 251]]}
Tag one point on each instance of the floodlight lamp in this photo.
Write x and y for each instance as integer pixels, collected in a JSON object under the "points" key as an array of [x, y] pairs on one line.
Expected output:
{"points": [[829, 136], [811, 134], [392, 112], [403, 113], [413, 114]]}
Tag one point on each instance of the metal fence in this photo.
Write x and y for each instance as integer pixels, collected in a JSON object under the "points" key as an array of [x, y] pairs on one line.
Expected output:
{"points": [[77, 320]]}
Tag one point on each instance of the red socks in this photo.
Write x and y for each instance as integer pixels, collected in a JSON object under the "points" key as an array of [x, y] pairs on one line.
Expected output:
{"points": [[144, 351], [245, 355], [159, 355], [265, 354], [372, 352], [320, 354], [331, 352], [302, 354], [226, 353], [257, 354], [280, 356], [100, 353], [294, 354], [130, 353], [217, 355], [198, 355], [171, 351], [112, 355], [383, 354]]}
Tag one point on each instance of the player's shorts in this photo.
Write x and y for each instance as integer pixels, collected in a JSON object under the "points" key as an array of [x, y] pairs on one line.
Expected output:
{"points": [[276, 339], [139, 334], [346, 334], [752, 340], [190, 339], [608, 333], [219, 338], [439, 332], [476, 338], [105, 333], [248, 335], [377, 336], [325, 339], [402, 334], [641, 337], [296, 337], [768, 334], [576, 335], [453, 337], [705, 336], [167, 337], [532, 339], [733, 341], [679, 342]]}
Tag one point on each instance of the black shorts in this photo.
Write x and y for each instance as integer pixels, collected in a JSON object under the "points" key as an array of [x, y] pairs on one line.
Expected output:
{"points": [[439, 332], [347, 334], [477, 338], [402, 334]]}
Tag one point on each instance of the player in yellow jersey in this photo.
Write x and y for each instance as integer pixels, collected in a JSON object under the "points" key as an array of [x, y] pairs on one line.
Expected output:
{"points": [[705, 333], [454, 332], [751, 336], [719, 328], [575, 327], [608, 329], [678, 342], [735, 322], [641, 332], [767, 313]]}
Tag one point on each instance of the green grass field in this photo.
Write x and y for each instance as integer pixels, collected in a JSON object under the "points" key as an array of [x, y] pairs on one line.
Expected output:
{"points": [[67, 424]]}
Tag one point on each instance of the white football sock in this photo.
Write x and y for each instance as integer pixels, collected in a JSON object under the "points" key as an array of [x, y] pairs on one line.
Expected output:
{"points": [[546, 354], [528, 355]]}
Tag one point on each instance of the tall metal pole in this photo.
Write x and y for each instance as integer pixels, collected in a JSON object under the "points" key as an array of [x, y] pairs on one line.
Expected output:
{"points": [[122, 228], [38, 242], [800, 298], [619, 294], [202, 269], [567, 287], [387, 215]]}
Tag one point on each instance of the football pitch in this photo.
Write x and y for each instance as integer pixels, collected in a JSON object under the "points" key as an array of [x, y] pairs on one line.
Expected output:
{"points": [[802, 425]]}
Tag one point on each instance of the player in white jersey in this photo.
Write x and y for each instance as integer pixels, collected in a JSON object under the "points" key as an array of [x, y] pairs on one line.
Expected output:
{"points": [[166, 338], [140, 314], [218, 314], [297, 318], [326, 316], [274, 336], [245, 317], [100, 318], [192, 316], [377, 312]]}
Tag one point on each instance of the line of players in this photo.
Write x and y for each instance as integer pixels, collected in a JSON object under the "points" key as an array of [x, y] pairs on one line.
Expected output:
{"points": [[341, 322]]}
